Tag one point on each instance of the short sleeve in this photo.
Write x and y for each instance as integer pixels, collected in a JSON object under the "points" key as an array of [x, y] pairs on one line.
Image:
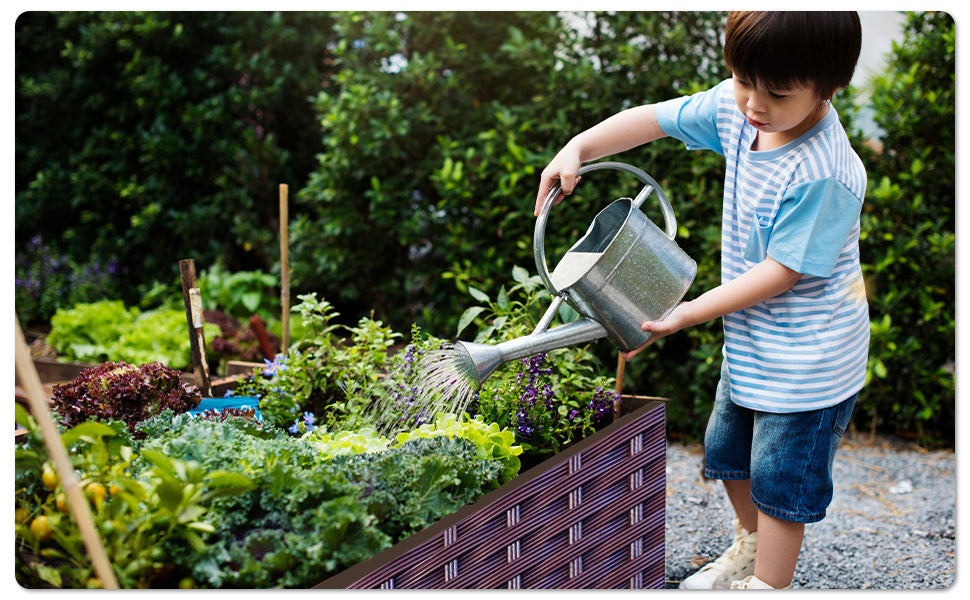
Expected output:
{"points": [[693, 119], [810, 228]]}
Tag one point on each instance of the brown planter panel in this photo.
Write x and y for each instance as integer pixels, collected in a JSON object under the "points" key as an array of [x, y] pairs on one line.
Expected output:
{"points": [[590, 517]]}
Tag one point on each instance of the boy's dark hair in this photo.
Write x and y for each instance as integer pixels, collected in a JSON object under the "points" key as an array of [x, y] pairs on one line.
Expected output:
{"points": [[787, 48]]}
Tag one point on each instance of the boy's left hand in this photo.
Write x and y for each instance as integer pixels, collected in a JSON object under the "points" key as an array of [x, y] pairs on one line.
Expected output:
{"points": [[674, 322]]}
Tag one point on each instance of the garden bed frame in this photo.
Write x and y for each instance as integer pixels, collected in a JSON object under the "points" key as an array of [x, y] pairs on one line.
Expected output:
{"points": [[591, 516]]}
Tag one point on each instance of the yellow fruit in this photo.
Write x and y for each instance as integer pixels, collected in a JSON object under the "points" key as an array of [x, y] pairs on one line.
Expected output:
{"points": [[21, 514], [94, 583], [96, 493], [113, 490], [40, 529], [49, 477], [61, 502]]}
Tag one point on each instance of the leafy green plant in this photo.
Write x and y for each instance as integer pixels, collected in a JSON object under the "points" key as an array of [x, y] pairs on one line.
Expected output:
{"points": [[340, 443], [124, 392], [145, 521], [240, 294], [411, 486], [323, 373], [318, 504], [106, 330], [298, 522], [491, 441]]}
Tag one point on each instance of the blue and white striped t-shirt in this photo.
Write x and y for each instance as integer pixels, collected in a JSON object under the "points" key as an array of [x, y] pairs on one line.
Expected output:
{"points": [[799, 204]]}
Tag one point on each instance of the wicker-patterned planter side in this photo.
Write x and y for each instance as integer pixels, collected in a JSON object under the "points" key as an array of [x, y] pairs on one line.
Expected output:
{"points": [[589, 517]]}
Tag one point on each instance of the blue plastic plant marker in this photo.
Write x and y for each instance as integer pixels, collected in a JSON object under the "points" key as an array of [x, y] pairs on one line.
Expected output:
{"points": [[220, 404]]}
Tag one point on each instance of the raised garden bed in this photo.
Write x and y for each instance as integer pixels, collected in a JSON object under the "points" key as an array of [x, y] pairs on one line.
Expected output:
{"points": [[591, 516]]}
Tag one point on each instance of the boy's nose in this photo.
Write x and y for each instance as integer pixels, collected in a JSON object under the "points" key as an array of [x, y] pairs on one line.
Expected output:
{"points": [[756, 103]]}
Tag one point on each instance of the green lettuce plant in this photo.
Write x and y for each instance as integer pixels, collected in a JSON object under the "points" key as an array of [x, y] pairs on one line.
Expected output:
{"points": [[107, 330]]}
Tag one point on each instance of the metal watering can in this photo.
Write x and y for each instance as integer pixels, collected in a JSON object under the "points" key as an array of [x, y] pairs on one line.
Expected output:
{"points": [[622, 272]]}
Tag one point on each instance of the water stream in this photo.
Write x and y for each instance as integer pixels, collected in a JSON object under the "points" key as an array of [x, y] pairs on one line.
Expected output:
{"points": [[424, 384]]}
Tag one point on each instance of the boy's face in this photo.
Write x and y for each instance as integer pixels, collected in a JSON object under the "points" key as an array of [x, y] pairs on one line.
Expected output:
{"points": [[783, 114]]}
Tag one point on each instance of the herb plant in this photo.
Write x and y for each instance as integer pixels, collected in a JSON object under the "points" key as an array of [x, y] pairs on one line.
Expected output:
{"points": [[324, 373], [548, 399]]}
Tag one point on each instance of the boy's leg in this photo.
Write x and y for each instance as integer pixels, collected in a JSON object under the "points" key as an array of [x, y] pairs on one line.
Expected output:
{"points": [[739, 493], [779, 544]]}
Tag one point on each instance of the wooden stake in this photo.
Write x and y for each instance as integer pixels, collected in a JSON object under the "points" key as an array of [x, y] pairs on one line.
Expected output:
{"points": [[620, 370], [285, 264], [193, 314], [256, 324], [76, 501]]}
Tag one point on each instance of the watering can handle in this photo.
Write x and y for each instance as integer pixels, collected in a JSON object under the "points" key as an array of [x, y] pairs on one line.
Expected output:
{"points": [[651, 186]]}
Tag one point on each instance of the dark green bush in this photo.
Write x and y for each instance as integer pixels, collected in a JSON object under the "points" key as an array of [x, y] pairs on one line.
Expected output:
{"points": [[151, 137], [908, 237]]}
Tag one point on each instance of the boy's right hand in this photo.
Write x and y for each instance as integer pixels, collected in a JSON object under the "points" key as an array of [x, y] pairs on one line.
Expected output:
{"points": [[563, 168]]}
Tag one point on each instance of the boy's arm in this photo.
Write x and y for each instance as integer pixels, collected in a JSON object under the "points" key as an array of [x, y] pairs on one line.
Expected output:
{"points": [[765, 280], [624, 130]]}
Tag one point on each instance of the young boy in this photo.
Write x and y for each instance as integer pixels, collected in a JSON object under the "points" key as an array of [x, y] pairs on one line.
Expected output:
{"points": [[795, 316]]}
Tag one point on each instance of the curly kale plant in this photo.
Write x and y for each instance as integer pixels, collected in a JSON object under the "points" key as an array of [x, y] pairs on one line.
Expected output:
{"points": [[129, 393]]}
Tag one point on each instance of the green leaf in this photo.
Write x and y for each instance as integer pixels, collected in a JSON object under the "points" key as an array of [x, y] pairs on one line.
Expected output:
{"points": [[159, 460], [230, 481], [477, 294], [503, 298], [194, 540], [89, 431], [170, 493], [468, 317]]}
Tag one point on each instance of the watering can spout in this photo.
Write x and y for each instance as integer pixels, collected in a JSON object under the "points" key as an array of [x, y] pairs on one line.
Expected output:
{"points": [[478, 361]]}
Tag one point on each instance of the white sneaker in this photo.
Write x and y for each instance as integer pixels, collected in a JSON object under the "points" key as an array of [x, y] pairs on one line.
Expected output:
{"points": [[735, 564], [753, 583]]}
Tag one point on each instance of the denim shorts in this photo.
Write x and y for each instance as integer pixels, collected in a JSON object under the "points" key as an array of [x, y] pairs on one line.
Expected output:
{"points": [[788, 457]]}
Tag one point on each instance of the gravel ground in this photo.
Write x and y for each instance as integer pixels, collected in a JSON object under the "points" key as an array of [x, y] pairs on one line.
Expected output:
{"points": [[891, 524]]}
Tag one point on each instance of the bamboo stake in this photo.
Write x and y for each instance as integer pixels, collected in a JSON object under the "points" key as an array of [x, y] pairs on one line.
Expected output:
{"points": [[76, 501], [285, 264]]}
